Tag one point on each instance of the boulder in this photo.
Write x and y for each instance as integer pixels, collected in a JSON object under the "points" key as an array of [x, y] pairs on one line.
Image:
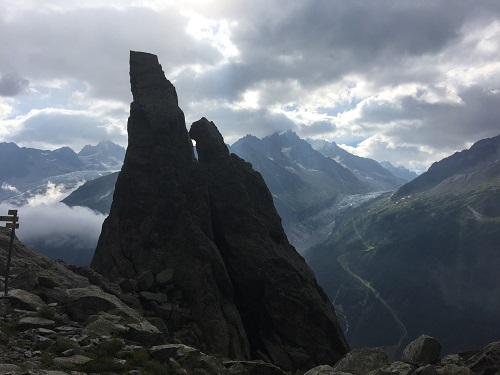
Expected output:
{"points": [[7, 368], [426, 370], [395, 368], [30, 322], [145, 280], [323, 370], [251, 368], [362, 361], [486, 361], [189, 358], [451, 369], [422, 351], [72, 361], [25, 300], [104, 325], [165, 277]]}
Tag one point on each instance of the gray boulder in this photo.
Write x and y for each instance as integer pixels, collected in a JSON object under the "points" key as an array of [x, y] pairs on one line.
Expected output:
{"points": [[424, 350], [362, 361], [30, 322], [25, 300], [487, 360], [451, 369], [395, 368], [325, 370]]}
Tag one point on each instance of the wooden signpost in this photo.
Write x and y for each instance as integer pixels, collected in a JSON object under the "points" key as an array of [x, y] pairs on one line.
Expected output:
{"points": [[12, 223]]}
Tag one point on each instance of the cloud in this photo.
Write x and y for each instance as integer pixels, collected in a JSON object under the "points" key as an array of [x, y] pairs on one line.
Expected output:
{"points": [[405, 70], [58, 128], [12, 85], [56, 230]]}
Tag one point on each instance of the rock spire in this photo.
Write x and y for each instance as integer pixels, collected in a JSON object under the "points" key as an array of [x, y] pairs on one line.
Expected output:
{"points": [[238, 288]]}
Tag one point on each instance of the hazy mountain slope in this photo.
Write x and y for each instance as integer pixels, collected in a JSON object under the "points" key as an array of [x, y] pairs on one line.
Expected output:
{"points": [[399, 171], [368, 170], [95, 194], [306, 185], [427, 262], [24, 165], [31, 177], [473, 167], [29, 171]]}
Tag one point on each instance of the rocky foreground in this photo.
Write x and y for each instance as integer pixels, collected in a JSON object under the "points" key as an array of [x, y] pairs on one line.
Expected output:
{"points": [[61, 319]]}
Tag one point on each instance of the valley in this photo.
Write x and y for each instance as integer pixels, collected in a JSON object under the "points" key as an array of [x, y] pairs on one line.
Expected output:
{"points": [[421, 261]]}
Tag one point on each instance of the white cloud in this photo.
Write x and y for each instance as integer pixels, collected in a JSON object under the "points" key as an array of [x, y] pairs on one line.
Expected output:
{"points": [[348, 71], [56, 230]]}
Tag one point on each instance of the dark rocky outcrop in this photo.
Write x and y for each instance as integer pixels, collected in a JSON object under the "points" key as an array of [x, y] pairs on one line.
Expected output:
{"points": [[160, 217], [242, 291], [285, 314]]}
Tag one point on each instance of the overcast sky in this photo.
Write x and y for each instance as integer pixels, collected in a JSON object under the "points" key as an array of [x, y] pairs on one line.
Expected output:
{"points": [[406, 81]]}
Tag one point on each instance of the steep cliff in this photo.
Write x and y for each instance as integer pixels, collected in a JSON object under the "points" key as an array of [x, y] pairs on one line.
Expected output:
{"points": [[246, 293]]}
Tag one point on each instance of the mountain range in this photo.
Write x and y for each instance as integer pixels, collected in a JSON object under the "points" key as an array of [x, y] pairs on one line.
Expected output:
{"points": [[377, 176], [32, 177], [422, 259], [308, 186], [399, 259], [29, 170]]}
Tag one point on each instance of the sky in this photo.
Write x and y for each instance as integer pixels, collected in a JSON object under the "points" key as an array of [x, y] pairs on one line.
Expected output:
{"points": [[406, 81]]}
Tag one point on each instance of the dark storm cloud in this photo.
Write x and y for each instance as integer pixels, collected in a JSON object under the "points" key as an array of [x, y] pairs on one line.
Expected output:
{"points": [[60, 129], [321, 40], [12, 85], [93, 44], [289, 54], [452, 125], [317, 128]]}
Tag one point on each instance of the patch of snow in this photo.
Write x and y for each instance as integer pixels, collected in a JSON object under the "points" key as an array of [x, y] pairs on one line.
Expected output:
{"points": [[286, 151]]}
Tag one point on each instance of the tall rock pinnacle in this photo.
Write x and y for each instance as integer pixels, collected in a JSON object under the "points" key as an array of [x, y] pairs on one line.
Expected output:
{"points": [[245, 292], [160, 216]]}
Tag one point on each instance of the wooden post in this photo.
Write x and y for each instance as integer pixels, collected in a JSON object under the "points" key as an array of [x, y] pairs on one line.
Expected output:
{"points": [[12, 225]]}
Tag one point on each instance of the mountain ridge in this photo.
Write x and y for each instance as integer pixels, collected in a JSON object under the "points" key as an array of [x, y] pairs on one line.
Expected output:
{"points": [[429, 251]]}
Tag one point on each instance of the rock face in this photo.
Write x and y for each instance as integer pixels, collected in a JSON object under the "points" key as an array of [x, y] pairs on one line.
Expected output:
{"points": [[285, 314], [243, 291]]}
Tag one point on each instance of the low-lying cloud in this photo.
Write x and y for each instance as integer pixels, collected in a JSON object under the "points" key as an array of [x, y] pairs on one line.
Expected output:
{"points": [[56, 230]]}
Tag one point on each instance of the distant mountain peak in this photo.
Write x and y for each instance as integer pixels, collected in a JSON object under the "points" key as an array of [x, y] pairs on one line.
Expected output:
{"points": [[399, 171], [106, 155], [365, 169], [471, 167]]}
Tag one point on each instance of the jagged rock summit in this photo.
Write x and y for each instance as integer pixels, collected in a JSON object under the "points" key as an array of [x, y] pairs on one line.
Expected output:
{"points": [[241, 290]]}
